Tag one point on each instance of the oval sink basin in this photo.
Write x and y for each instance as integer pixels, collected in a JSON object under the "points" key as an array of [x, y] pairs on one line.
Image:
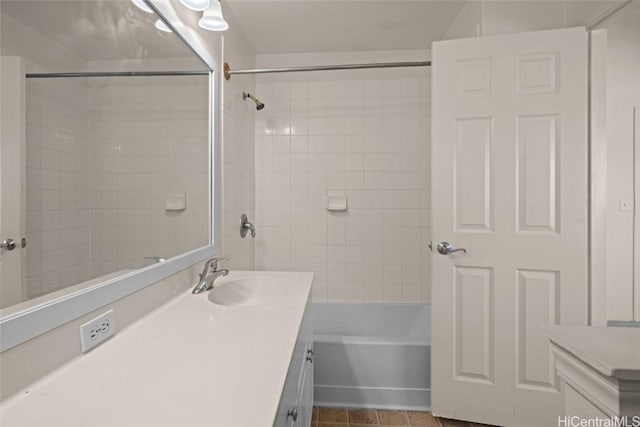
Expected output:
{"points": [[248, 291]]}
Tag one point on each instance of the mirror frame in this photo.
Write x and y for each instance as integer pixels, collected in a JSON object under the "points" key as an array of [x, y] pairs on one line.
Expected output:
{"points": [[24, 324]]}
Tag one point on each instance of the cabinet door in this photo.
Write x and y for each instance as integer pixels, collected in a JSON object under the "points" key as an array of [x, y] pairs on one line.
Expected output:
{"points": [[306, 389], [289, 401]]}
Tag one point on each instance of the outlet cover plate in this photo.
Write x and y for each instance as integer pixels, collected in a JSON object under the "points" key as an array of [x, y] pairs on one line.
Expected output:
{"points": [[97, 330]]}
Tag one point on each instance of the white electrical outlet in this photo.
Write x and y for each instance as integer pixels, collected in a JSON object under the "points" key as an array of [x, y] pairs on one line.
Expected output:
{"points": [[97, 330]]}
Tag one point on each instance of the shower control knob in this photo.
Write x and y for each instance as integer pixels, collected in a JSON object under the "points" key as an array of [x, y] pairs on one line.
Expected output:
{"points": [[8, 244]]}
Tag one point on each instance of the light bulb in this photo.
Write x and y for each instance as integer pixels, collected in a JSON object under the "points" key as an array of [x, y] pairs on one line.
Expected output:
{"points": [[197, 5], [140, 4], [160, 25], [212, 18]]}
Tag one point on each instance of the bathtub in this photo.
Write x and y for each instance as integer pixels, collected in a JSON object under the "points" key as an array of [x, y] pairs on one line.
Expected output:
{"points": [[372, 355]]}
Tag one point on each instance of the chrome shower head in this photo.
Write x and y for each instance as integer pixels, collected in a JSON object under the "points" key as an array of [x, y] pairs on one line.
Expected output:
{"points": [[259, 105]]}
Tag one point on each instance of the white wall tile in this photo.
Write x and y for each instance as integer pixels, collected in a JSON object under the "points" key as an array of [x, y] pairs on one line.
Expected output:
{"points": [[365, 139]]}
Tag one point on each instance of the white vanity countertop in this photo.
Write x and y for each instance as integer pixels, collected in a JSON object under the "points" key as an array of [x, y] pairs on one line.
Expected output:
{"points": [[612, 351], [190, 363]]}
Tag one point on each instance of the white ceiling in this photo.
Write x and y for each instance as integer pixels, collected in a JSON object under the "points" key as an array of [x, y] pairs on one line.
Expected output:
{"points": [[115, 29], [296, 26], [300, 26]]}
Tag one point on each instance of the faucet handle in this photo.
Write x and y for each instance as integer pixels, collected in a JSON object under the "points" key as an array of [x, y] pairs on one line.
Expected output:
{"points": [[213, 262]]}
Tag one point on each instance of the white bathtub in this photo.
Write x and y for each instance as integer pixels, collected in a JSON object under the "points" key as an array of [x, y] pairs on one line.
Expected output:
{"points": [[372, 356]]}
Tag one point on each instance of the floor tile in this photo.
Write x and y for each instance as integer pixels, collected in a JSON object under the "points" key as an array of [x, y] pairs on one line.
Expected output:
{"points": [[422, 419], [363, 416], [314, 415], [332, 415], [333, 425], [446, 422], [393, 418]]}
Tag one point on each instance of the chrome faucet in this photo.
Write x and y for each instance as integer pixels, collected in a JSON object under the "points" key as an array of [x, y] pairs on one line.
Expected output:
{"points": [[209, 274]]}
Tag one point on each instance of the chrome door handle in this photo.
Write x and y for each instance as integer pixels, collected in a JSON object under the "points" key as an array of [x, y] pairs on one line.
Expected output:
{"points": [[8, 244], [444, 248]]}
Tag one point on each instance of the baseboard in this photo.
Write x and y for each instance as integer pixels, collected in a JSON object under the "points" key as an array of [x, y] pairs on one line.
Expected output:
{"points": [[372, 397]]}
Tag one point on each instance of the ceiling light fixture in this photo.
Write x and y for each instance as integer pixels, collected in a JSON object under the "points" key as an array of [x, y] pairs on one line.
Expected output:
{"points": [[197, 5], [160, 25], [142, 5], [212, 18]]}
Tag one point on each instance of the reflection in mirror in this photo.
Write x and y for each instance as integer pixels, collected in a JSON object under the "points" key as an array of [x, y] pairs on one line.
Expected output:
{"points": [[113, 172]]}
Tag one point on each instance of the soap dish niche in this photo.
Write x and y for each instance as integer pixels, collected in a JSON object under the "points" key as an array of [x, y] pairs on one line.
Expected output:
{"points": [[176, 203], [336, 203]]}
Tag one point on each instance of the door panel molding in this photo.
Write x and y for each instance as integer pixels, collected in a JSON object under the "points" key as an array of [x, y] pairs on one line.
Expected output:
{"points": [[473, 327]]}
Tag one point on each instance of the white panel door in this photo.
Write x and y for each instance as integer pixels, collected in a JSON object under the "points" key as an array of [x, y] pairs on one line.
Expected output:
{"points": [[509, 165], [12, 147]]}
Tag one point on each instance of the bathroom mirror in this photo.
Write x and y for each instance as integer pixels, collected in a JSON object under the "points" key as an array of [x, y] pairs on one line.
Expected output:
{"points": [[106, 174]]}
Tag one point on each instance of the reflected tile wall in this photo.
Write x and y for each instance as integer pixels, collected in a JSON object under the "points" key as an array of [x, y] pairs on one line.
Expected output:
{"points": [[367, 140], [102, 159], [150, 142], [58, 184]]}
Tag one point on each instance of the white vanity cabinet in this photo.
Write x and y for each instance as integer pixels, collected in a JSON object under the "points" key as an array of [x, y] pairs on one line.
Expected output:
{"points": [[296, 402], [600, 368]]}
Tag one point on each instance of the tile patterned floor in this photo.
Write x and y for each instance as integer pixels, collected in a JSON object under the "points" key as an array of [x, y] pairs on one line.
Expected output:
{"points": [[340, 417]]}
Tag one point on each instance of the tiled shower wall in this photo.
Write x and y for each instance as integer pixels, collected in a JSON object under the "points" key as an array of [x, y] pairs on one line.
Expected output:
{"points": [[58, 184], [366, 139], [150, 142]]}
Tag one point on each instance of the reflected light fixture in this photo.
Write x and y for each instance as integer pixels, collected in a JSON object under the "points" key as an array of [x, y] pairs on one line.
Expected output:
{"points": [[212, 18], [160, 25], [142, 5], [197, 5]]}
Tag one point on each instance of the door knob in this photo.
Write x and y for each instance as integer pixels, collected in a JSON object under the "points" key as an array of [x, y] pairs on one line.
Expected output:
{"points": [[444, 248], [8, 244]]}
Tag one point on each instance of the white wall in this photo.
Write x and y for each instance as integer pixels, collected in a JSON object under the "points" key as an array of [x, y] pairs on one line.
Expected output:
{"points": [[467, 23], [238, 155], [359, 134], [623, 94], [492, 17]]}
